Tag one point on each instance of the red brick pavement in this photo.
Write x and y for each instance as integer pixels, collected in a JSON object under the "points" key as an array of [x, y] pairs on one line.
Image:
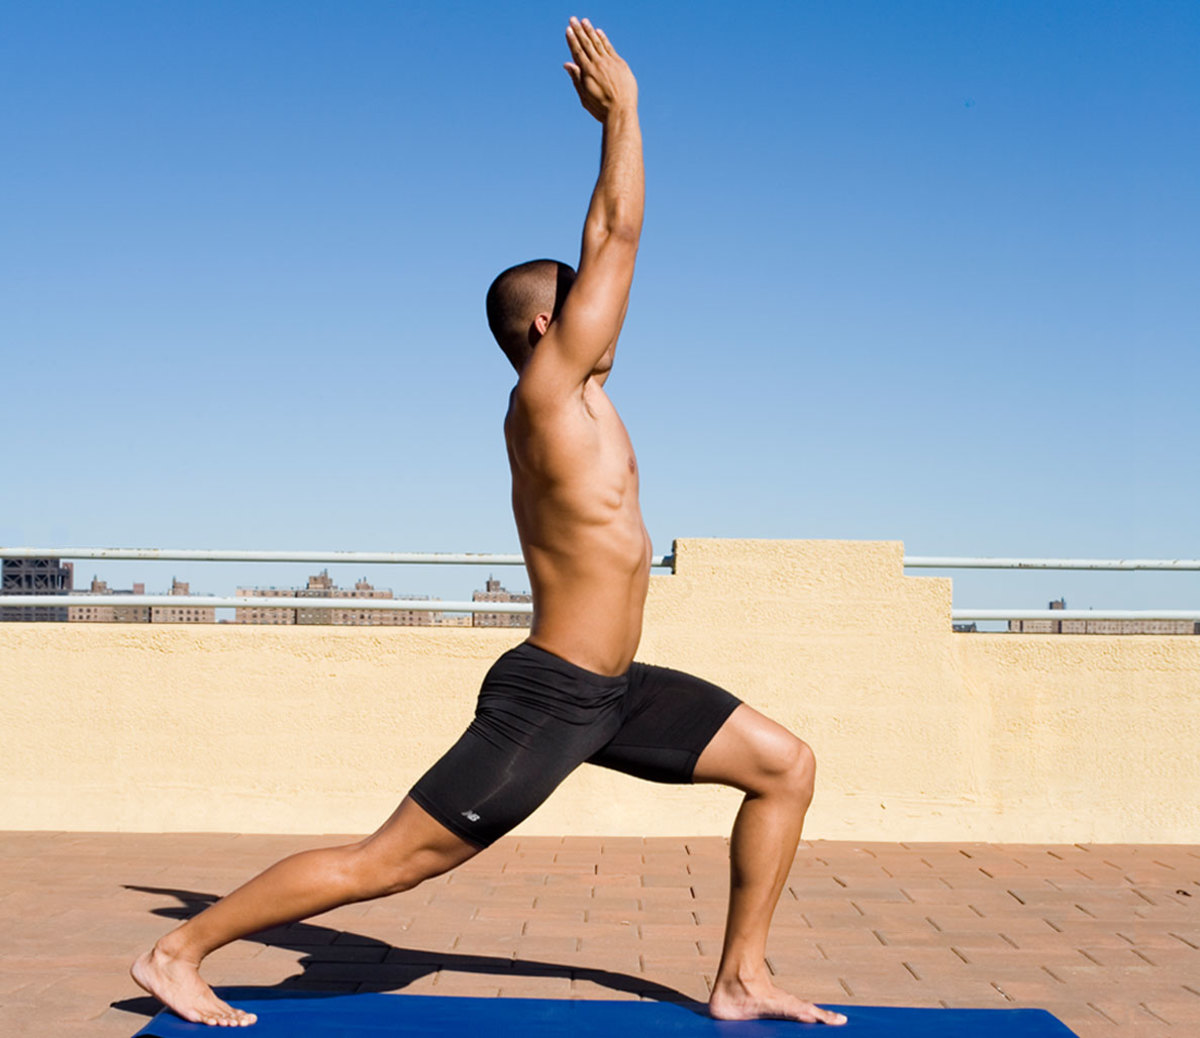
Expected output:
{"points": [[1105, 937]]}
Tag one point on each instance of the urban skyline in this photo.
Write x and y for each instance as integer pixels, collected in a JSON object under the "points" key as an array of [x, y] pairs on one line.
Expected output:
{"points": [[54, 576]]}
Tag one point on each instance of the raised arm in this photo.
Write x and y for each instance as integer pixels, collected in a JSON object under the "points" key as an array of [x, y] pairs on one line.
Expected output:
{"points": [[580, 341]]}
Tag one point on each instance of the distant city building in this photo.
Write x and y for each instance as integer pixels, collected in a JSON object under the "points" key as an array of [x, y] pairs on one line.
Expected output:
{"points": [[452, 620], [182, 614], [35, 577], [1101, 626], [495, 593], [264, 615], [1039, 626], [100, 613], [49, 576], [966, 628], [321, 585], [1130, 627]]}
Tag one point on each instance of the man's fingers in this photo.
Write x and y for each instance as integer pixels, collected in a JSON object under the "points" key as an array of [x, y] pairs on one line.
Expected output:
{"points": [[572, 71], [573, 43], [584, 55], [585, 36], [587, 42], [594, 39]]}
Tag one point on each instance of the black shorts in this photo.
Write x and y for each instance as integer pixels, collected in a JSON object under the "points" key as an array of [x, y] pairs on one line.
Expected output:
{"points": [[539, 717]]}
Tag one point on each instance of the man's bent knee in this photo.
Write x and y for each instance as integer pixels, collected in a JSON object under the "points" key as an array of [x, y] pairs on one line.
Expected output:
{"points": [[801, 770], [760, 757], [787, 766]]}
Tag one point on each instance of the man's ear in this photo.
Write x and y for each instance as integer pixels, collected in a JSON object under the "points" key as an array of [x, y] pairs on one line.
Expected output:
{"points": [[539, 326]]}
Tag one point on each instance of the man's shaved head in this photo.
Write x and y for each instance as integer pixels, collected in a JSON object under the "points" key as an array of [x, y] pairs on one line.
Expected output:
{"points": [[517, 296]]}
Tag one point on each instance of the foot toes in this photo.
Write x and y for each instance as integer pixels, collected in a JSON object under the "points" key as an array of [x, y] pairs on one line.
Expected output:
{"points": [[825, 1016]]}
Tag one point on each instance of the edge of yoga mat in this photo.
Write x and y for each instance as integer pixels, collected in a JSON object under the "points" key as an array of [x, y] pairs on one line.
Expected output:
{"points": [[290, 1014]]}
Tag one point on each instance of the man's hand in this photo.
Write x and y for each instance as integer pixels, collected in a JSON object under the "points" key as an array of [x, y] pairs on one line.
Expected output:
{"points": [[600, 75]]}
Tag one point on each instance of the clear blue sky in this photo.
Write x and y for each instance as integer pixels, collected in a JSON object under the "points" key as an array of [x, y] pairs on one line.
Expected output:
{"points": [[914, 271]]}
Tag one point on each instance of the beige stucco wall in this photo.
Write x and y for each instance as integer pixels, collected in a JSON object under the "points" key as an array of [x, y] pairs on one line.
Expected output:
{"points": [[920, 734]]}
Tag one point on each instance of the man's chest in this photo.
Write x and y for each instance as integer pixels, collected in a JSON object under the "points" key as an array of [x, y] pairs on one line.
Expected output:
{"points": [[614, 447]]}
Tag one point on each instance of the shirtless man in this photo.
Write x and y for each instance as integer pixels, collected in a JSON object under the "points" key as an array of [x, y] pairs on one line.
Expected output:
{"points": [[571, 692]]}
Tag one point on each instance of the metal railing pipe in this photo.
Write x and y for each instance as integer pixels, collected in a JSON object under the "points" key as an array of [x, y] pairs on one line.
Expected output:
{"points": [[955, 562], [417, 605], [1075, 614], [439, 606], [233, 555]]}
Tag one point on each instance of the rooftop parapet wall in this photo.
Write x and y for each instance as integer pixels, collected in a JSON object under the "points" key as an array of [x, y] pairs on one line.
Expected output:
{"points": [[920, 734]]}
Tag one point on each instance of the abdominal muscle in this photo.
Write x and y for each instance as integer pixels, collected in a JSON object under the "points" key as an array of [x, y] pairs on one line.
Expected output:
{"points": [[588, 606], [575, 500]]}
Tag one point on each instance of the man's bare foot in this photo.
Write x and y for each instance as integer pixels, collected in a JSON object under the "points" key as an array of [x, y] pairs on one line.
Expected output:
{"points": [[177, 984], [735, 999]]}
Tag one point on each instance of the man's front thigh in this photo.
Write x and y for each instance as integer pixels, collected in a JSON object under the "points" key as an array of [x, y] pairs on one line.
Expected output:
{"points": [[750, 752]]}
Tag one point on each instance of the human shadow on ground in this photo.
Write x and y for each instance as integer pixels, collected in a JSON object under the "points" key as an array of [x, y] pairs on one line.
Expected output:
{"points": [[335, 958]]}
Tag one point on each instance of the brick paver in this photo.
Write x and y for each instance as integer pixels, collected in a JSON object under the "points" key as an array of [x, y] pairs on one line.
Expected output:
{"points": [[1105, 937]]}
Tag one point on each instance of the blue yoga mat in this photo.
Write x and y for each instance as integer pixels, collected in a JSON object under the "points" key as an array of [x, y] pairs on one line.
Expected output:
{"points": [[431, 1016]]}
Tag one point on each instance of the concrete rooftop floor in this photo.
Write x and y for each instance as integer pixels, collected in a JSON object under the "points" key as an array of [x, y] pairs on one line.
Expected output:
{"points": [[1105, 937]]}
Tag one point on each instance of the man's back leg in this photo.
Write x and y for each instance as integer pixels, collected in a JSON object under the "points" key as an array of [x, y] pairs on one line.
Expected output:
{"points": [[409, 848]]}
